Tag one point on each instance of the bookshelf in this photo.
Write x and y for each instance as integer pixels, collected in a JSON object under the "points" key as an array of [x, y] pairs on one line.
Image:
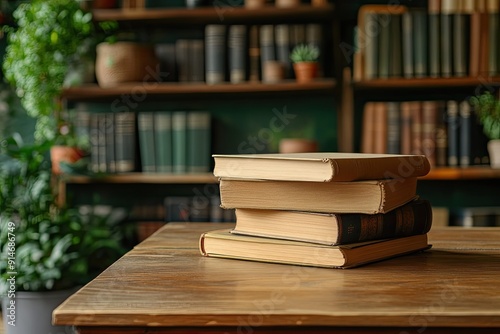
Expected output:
{"points": [[233, 101], [449, 186]]}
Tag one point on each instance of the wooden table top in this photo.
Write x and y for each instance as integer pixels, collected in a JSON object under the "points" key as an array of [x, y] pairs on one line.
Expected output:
{"points": [[165, 282]]}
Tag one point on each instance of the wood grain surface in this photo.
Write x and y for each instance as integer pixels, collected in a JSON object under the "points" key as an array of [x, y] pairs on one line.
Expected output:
{"points": [[165, 285]]}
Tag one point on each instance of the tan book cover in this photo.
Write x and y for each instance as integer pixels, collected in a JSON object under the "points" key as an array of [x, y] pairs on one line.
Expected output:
{"points": [[319, 166], [224, 244], [370, 197]]}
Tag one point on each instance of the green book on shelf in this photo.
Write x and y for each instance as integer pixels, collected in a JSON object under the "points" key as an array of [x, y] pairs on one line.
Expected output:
{"points": [[198, 142], [179, 141], [145, 123], [163, 141]]}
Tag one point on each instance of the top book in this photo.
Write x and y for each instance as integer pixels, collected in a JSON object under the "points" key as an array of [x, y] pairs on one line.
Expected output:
{"points": [[320, 166]]}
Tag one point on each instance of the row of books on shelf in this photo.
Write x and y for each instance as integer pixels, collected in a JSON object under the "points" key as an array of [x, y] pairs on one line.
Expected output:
{"points": [[329, 210], [235, 53], [183, 209], [447, 132], [151, 142], [447, 39]]}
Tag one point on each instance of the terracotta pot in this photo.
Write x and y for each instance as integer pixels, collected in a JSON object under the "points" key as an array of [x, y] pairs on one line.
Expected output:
{"points": [[273, 71], [297, 145], [61, 153], [287, 3], [305, 71], [255, 3], [123, 62]]}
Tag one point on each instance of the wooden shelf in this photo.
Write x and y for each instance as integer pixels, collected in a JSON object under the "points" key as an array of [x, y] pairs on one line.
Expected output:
{"points": [[468, 173], [143, 178], [224, 14], [425, 83], [180, 90]]}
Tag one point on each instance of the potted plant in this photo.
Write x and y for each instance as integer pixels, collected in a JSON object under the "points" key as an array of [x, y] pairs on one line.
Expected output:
{"points": [[50, 46], [305, 62], [487, 109], [46, 251]]}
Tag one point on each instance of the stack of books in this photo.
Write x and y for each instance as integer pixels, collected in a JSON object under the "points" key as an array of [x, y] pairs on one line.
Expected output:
{"points": [[335, 210]]}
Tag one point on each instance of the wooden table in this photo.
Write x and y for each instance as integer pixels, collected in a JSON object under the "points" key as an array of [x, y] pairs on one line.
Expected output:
{"points": [[164, 285]]}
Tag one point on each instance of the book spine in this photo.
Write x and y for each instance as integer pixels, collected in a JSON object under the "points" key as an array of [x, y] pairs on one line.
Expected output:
{"points": [[441, 136], [446, 37], [165, 52], [163, 141], [493, 39], [410, 219], [380, 128], [181, 59], [196, 60], [393, 128], [198, 142], [179, 141], [420, 42], [145, 126], [103, 136], [237, 50], [452, 120], [367, 143], [94, 143], [434, 38], [460, 38], [125, 141], [406, 133], [416, 127], [109, 144], [215, 39], [383, 48], [371, 47], [429, 126], [465, 134], [267, 52], [395, 45], [408, 53], [254, 54]]}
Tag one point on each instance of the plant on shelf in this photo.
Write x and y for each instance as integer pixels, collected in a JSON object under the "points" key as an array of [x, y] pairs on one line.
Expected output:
{"points": [[487, 109], [50, 41], [305, 62], [44, 247]]}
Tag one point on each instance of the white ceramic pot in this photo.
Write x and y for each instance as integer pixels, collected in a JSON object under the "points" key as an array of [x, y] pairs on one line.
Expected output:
{"points": [[494, 152]]}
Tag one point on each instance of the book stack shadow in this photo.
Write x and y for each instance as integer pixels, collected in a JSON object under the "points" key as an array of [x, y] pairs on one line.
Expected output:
{"points": [[333, 210]]}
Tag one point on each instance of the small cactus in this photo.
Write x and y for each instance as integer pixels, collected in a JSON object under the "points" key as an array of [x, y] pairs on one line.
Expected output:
{"points": [[304, 53]]}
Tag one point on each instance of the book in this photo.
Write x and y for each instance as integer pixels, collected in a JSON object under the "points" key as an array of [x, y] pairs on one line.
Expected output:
{"points": [[282, 37], [370, 196], [319, 166], [224, 244], [452, 118], [393, 128], [215, 57], [198, 141], [464, 129], [446, 51], [406, 127], [146, 130], [412, 218], [196, 60], [408, 45], [237, 45], [433, 16], [163, 141], [179, 142], [253, 54], [461, 28], [125, 141], [420, 42], [368, 128], [380, 128], [429, 129], [182, 60]]}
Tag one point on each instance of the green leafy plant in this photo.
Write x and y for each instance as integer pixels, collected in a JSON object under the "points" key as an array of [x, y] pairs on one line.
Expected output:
{"points": [[49, 38], [304, 53], [487, 108], [49, 247]]}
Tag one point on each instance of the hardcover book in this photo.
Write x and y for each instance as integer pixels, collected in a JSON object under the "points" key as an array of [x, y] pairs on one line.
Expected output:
{"points": [[370, 197], [224, 244], [333, 228], [320, 167]]}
